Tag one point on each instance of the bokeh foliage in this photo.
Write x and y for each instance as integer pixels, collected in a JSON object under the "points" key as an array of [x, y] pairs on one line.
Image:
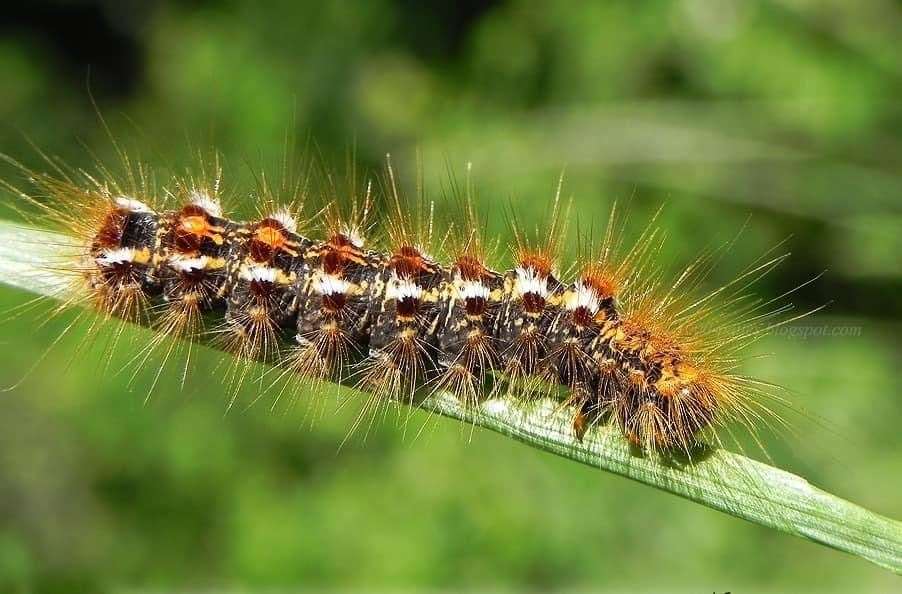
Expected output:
{"points": [[786, 111]]}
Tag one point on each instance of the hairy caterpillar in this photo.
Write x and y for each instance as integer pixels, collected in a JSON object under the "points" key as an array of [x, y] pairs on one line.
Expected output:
{"points": [[428, 311]]}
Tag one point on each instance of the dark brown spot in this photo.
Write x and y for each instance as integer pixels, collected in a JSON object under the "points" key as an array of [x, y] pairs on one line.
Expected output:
{"points": [[475, 306], [407, 306], [333, 262], [186, 242], [193, 277], [581, 316], [533, 302], [334, 302], [261, 288], [109, 235]]}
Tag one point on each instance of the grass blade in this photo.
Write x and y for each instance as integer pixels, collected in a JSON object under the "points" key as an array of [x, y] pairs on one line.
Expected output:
{"points": [[717, 478]]}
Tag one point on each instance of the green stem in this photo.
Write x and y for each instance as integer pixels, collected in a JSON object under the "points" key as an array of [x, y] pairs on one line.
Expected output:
{"points": [[719, 479]]}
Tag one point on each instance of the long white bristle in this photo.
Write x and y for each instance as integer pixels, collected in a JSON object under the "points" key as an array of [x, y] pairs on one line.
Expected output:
{"points": [[210, 204], [130, 204], [402, 289], [189, 264], [286, 219], [530, 281], [265, 274], [117, 256], [331, 285]]}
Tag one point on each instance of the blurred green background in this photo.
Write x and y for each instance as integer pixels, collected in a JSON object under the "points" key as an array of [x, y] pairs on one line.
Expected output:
{"points": [[787, 110]]}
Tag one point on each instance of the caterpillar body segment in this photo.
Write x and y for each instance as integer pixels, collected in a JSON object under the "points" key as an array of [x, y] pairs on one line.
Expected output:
{"points": [[336, 292], [122, 276], [112, 220], [531, 298], [404, 298], [401, 355], [660, 399], [263, 272], [337, 299], [529, 303], [194, 247], [570, 334], [466, 345]]}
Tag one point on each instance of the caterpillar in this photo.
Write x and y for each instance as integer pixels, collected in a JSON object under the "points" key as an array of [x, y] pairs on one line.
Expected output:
{"points": [[425, 309]]}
